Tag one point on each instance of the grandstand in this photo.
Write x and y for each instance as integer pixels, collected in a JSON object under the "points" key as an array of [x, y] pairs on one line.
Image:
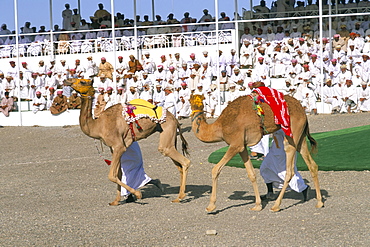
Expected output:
{"points": [[267, 29]]}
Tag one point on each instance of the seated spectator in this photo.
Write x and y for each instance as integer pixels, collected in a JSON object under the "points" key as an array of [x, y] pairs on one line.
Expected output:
{"points": [[364, 97], [7, 104], [74, 101], [100, 103], [60, 103], [38, 103]]}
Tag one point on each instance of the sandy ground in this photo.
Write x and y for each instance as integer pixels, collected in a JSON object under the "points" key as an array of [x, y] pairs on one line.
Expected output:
{"points": [[55, 192]]}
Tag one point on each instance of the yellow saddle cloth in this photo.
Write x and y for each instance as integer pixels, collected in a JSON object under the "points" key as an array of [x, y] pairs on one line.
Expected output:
{"points": [[139, 108]]}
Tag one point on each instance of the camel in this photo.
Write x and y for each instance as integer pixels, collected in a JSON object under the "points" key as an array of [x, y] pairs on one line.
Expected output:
{"points": [[240, 126], [112, 129]]}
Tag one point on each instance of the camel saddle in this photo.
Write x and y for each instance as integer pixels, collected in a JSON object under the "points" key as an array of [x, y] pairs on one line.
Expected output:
{"points": [[139, 108]]}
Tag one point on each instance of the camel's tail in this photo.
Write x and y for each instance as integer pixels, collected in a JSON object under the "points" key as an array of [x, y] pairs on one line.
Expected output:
{"points": [[313, 142], [184, 143]]}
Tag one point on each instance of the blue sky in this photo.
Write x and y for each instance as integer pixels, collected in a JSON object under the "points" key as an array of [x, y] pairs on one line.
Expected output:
{"points": [[37, 11]]}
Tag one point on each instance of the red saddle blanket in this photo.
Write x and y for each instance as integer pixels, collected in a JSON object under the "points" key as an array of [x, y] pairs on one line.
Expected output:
{"points": [[276, 101]]}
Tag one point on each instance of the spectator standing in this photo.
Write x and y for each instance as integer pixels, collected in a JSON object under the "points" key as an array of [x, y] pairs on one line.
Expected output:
{"points": [[67, 17]]}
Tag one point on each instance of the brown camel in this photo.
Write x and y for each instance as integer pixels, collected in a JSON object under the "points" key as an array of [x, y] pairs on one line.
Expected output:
{"points": [[112, 129], [240, 126]]}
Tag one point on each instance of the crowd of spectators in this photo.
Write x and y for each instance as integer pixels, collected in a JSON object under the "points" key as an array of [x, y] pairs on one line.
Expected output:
{"points": [[278, 49]]}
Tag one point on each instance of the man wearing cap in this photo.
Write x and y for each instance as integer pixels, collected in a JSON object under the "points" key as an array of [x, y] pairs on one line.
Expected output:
{"points": [[192, 61], [74, 101], [232, 61], [12, 71], [362, 70], [333, 70], [132, 93], [79, 69], [100, 102], [261, 72], [132, 64], [172, 77], [205, 76], [158, 95], [38, 103], [106, 69], [176, 61], [109, 98], [349, 96], [50, 81], [50, 96], [60, 103], [353, 56], [364, 97], [7, 104], [206, 59], [170, 100], [146, 94], [338, 41], [232, 93], [246, 55], [184, 73], [121, 67], [238, 78], [194, 78], [23, 83], [340, 55], [293, 71], [331, 96], [148, 63], [344, 74], [63, 68], [91, 69], [160, 75]]}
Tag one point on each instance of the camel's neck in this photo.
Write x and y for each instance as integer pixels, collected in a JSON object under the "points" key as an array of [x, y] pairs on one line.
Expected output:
{"points": [[204, 131], [87, 123]]}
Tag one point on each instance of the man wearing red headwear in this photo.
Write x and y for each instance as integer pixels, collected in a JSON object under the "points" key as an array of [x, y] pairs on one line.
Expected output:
{"points": [[60, 103], [106, 69]]}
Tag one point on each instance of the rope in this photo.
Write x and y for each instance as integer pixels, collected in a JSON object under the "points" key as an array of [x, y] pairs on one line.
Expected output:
{"points": [[108, 162]]}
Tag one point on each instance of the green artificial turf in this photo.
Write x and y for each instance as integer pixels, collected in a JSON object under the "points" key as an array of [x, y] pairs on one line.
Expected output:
{"points": [[341, 150]]}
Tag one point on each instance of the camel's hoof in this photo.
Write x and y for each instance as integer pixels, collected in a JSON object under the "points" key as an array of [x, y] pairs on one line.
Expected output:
{"points": [[319, 204], [177, 200], [115, 203], [210, 208], [138, 194], [257, 208], [275, 209]]}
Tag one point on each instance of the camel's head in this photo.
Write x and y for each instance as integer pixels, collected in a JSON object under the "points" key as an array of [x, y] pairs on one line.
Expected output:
{"points": [[196, 102], [83, 86]]}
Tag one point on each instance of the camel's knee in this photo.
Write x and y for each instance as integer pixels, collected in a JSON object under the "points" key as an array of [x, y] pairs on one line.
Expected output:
{"points": [[252, 177], [163, 151], [112, 178]]}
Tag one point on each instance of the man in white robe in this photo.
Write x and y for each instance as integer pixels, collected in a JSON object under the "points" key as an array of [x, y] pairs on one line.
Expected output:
{"points": [[273, 169], [133, 173], [364, 97]]}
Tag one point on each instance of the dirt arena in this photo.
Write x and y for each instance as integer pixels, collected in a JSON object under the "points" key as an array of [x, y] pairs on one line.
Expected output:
{"points": [[55, 192]]}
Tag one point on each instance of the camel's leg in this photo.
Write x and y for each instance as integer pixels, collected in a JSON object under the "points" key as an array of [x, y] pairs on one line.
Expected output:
{"points": [[167, 148], [182, 164], [230, 153], [252, 176], [113, 175], [118, 196], [290, 156], [312, 166]]}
